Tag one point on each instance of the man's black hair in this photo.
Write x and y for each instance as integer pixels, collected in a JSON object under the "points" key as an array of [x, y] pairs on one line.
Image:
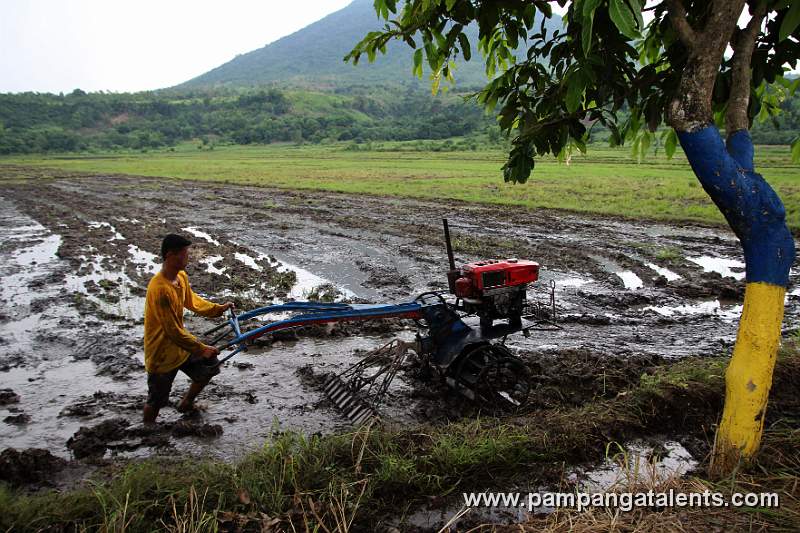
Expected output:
{"points": [[173, 243]]}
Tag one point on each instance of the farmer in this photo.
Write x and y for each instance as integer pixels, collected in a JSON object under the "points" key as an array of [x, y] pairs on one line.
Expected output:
{"points": [[168, 347]]}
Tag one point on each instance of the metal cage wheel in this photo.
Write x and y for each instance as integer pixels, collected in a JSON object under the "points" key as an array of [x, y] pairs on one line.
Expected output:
{"points": [[495, 376]]}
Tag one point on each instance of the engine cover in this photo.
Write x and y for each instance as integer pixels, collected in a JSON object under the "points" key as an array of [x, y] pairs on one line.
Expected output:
{"points": [[494, 274]]}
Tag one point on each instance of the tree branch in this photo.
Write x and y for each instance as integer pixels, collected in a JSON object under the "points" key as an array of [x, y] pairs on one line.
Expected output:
{"points": [[690, 107], [677, 16], [736, 117]]}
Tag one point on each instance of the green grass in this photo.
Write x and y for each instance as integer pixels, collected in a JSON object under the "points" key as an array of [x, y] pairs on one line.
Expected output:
{"points": [[669, 254], [606, 182]]}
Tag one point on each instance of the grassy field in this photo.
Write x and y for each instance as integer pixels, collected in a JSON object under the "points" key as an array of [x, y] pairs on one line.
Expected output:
{"points": [[606, 181]]}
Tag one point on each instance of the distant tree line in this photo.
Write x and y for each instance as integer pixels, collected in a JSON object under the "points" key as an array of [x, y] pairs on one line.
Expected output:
{"points": [[80, 121], [38, 123]]}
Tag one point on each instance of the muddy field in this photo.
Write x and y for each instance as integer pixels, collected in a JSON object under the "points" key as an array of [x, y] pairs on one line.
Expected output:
{"points": [[76, 253]]}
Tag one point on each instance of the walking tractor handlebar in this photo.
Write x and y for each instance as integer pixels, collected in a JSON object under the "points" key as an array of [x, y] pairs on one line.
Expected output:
{"points": [[307, 313]]}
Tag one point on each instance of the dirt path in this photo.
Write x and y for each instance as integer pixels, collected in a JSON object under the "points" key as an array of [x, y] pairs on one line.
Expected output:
{"points": [[77, 253]]}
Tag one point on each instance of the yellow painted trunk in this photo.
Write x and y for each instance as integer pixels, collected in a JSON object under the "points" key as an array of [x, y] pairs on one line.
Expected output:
{"points": [[749, 376]]}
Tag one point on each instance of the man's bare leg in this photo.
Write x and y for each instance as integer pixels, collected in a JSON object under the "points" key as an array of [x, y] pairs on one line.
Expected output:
{"points": [[187, 403], [149, 415]]}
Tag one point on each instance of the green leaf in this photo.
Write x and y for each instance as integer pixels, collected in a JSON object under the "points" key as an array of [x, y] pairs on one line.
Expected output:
{"points": [[616, 137], [790, 21], [589, 7], [437, 80], [637, 7], [529, 15], [586, 33], [450, 3], [432, 54], [520, 164], [796, 150], [623, 18], [671, 143], [466, 50], [381, 8], [576, 85], [633, 126], [418, 63]]}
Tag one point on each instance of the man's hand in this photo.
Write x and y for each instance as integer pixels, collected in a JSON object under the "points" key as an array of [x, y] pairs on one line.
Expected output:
{"points": [[228, 305], [209, 352]]}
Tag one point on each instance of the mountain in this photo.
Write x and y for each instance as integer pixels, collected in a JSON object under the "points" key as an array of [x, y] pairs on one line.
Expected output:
{"points": [[312, 57]]}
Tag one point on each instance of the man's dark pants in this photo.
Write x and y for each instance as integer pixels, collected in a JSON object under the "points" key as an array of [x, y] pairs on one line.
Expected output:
{"points": [[199, 370]]}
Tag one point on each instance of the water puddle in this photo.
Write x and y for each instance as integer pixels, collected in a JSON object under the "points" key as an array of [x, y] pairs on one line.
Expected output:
{"points": [[109, 290], [146, 262], [661, 271], [572, 282], [724, 267], [710, 307], [209, 262], [637, 466], [117, 236], [44, 391], [28, 264], [428, 519], [201, 234], [308, 281], [630, 279], [249, 260]]}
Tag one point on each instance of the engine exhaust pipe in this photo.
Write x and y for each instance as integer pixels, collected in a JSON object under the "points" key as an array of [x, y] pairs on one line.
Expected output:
{"points": [[453, 273]]}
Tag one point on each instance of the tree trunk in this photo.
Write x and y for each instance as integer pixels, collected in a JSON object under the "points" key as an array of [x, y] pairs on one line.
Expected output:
{"points": [[752, 209], [757, 216]]}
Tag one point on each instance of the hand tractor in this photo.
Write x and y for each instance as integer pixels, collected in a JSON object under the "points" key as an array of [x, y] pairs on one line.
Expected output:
{"points": [[472, 360]]}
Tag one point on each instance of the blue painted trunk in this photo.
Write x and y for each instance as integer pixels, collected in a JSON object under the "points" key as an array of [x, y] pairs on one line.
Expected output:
{"points": [[751, 207]]}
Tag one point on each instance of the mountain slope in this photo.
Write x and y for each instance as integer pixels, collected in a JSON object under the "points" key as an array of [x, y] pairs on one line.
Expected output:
{"points": [[312, 57]]}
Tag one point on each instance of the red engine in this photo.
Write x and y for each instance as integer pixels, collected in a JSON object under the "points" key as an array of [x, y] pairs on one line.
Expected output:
{"points": [[493, 289], [484, 277]]}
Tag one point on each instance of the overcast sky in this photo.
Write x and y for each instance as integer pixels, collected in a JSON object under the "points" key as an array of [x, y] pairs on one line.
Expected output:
{"points": [[134, 45], [126, 45]]}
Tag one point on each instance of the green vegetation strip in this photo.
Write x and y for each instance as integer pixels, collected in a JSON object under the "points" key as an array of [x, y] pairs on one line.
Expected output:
{"points": [[381, 472], [606, 181]]}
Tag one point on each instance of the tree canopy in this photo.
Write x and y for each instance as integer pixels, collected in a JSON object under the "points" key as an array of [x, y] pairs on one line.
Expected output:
{"points": [[605, 59]]}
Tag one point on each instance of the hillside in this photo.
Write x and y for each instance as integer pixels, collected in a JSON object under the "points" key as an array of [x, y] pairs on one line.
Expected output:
{"points": [[35, 123], [312, 57]]}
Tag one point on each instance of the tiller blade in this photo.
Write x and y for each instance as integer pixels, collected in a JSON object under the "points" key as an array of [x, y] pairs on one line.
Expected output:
{"points": [[348, 401]]}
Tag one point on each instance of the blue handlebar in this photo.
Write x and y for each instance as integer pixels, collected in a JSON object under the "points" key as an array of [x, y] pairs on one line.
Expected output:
{"points": [[313, 313]]}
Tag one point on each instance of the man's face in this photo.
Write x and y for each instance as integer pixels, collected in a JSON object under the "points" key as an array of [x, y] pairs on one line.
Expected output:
{"points": [[180, 258]]}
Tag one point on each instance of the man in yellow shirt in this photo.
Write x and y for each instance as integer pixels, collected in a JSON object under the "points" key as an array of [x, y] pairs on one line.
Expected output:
{"points": [[168, 347]]}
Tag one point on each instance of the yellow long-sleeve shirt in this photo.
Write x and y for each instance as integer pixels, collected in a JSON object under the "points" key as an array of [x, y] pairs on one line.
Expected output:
{"points": [[167, 344]]}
